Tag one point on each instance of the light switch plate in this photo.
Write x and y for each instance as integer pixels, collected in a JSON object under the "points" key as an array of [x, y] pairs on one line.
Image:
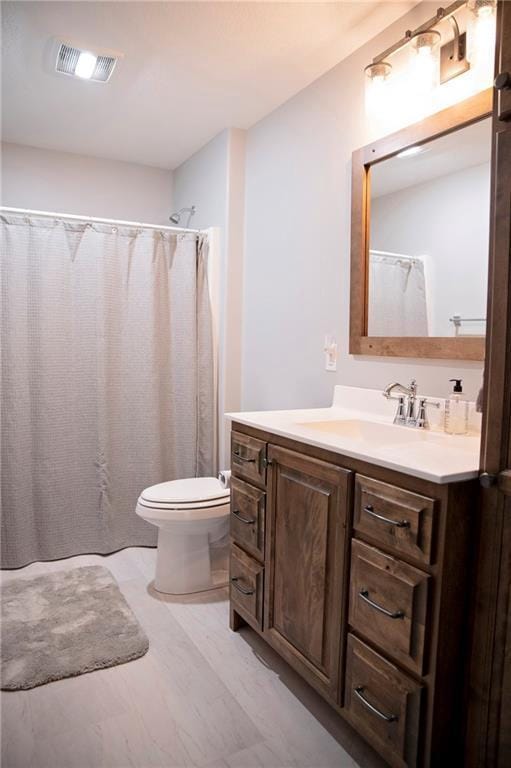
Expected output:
{"points": [[330, 350]]}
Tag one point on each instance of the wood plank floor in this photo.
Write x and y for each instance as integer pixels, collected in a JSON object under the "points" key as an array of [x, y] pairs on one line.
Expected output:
{"points": [[202, 697]]}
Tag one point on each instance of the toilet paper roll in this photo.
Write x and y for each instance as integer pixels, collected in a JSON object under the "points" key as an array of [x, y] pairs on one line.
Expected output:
{"points": [[225, 478]]}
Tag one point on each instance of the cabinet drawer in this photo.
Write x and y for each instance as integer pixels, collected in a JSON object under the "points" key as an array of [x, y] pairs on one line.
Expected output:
{"points": [[388, 604], [246, 586], [399, 519], [247, 517], [383, 704], [248, 458]]}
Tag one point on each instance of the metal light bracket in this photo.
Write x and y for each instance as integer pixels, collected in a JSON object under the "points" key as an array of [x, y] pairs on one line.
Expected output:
{"points": [[453, 55]]}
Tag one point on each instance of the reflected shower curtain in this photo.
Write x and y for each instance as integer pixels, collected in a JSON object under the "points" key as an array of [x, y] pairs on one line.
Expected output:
{"points": [[397, 296], [107, 381]]}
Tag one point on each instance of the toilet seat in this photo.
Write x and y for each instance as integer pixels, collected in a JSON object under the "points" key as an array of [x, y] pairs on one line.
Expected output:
{"points": [[191, 493], [178, 507], [170, 514], [195, 498]]}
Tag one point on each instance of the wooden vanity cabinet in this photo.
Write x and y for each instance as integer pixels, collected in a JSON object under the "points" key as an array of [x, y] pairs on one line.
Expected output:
{"points": [[357, 576]]}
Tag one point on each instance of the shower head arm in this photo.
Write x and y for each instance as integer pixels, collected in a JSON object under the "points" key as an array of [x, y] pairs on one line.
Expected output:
{"points": [[175, 218]]}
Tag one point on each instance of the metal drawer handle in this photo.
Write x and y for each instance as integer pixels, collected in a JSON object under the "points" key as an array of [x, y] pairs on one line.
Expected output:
{"points": [[236, 585], [364, 594], [359, 692], [243, 458], [398, 523], [247, 521]]}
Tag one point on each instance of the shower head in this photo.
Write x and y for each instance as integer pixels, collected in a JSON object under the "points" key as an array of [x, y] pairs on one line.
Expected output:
{"points": [[175, 218]]}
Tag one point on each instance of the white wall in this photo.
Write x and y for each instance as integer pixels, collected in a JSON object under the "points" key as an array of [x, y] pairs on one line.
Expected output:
{"points": [[213, 180], [297, 247], [445, 220], [202, 181], [65, 183]]}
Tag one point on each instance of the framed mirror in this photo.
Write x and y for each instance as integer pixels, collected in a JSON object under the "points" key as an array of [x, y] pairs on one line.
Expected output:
{"points": [[420, 237]]}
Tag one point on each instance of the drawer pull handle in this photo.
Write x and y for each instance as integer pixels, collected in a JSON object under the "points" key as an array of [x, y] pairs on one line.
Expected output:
{"points": [[398, 523], [364, 594], [359, 692], [247, 521], [236, 585], [243, 458]]}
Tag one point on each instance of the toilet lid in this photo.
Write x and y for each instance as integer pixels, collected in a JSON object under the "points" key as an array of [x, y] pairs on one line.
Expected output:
{"points": [[191, 491]]}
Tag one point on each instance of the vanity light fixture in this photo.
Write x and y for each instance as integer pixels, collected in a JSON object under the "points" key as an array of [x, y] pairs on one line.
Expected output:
{"points": [[482, 8], [426, 47], [433, 63], [425, 43], [376, 85], [481, 34], [378, 73]]}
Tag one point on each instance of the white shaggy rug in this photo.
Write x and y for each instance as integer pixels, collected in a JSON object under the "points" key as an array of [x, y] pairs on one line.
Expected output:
{"points": [[63, 624]]}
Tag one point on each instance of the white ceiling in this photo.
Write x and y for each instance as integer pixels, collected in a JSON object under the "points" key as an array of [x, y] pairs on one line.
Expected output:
{"points": [[460, 149], [190, 70]]}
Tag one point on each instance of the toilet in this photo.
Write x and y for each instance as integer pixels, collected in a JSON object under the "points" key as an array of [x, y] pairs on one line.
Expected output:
{"points": [[192, 515]]}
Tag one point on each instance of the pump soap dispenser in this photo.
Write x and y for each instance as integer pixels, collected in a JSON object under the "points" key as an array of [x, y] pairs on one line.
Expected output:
{"points": [[456, 411]]}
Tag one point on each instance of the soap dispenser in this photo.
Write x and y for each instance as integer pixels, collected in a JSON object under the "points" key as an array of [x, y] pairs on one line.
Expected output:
{"points": [[456, 411]]}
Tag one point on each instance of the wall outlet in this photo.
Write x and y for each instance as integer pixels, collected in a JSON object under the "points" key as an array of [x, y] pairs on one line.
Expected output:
{"points": [[330, 349]]}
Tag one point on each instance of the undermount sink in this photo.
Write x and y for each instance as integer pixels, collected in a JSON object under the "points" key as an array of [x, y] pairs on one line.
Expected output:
{"points": [[371, 432]]}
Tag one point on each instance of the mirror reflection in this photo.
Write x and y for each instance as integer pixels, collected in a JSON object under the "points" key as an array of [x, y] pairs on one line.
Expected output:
{"points": [[429, 237]]}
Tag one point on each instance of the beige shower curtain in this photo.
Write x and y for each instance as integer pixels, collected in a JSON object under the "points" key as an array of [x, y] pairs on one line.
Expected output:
{"points": [[107, 381], [397, 296]]}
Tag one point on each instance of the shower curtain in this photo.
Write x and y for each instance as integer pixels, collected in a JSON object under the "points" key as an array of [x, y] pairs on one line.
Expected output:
{"points": [[107, 381], [397, 296]]}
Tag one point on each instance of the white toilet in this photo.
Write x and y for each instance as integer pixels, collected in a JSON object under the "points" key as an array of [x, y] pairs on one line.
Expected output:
{"points": [[191, 515]]}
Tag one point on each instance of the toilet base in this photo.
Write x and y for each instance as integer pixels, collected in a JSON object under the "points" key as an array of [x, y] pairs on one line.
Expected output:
{"points": [[183, 564]]}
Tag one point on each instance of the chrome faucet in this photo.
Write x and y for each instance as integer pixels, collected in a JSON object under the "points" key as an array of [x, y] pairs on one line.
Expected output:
{"points": [[403, 417], [414, 414]]}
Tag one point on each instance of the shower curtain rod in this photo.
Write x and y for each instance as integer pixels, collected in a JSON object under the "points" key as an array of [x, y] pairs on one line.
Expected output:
{"points": [[118, 222], [400, 256]]}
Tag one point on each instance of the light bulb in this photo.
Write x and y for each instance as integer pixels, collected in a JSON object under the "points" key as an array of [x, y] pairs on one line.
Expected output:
{"points": [[424, 71], [85, 65], [425, 45], [377, 87], [481, 41], [482, 8]]}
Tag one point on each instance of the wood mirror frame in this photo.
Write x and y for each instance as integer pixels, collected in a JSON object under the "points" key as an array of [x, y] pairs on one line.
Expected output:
{"points": [[441, 123]]}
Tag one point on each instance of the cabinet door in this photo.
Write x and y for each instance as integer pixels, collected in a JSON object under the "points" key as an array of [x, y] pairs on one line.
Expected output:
{"points": [[306, 564], [488, 728]]}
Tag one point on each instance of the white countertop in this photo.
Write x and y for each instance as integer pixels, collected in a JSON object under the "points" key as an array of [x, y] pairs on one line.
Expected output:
{"points": [[359, 424]]}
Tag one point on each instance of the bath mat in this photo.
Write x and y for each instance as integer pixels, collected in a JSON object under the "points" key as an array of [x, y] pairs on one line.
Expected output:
{"points": [[63, 624]]}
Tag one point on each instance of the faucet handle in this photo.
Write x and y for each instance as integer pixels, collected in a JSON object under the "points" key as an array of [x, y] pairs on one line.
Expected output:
{"points": [[422, 416], [400, 417]]}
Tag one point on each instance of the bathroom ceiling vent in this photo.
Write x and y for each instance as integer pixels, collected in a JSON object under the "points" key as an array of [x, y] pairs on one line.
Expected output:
{"points": [[85, 64]]}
